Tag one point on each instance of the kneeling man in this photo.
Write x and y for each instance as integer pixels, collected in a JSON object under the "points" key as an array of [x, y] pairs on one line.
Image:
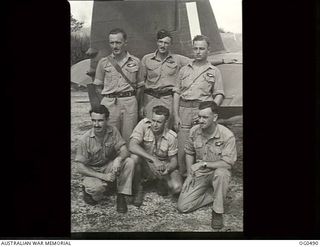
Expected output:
{"points": [[210, 153], [102, 157], [155, 148]]}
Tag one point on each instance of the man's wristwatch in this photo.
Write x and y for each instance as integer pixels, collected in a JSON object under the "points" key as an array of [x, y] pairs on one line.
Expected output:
{"points": [[205, 164]]}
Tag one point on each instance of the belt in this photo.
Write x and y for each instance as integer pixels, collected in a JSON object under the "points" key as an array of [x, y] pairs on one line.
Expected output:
{"points": [[189, 103], [157, 94], [120, 95]]}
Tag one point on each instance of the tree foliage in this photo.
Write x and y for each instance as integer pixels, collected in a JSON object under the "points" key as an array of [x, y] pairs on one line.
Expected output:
{"points": [[80, 41], [75, 24]]}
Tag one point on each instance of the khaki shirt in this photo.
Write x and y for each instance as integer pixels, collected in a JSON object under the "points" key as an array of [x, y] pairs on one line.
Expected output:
{"points": [[202, 85], [93, 153], [157, 73], [167, 146], [221, 145], [112, 80]]}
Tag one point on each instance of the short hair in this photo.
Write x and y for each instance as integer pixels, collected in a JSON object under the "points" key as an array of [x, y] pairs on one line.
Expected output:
{"points": [[201, 38], [119, 30], [161, 110], [163, 33], [209, 104], [100, 109]]}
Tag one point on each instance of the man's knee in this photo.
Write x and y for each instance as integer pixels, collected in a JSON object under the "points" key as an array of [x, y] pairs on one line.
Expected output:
{"points": [[93, 185], [183, 207], [222, 172], [129, 164], [176, 188]]}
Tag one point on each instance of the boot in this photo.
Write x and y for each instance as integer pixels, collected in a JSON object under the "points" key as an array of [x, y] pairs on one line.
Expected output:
{"points": [[138, 197], [121, 203], [162, 188], [88, 198], [216, 220]]}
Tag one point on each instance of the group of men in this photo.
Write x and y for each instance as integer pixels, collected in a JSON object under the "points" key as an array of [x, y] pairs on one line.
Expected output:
{"points": [[167, 92]]}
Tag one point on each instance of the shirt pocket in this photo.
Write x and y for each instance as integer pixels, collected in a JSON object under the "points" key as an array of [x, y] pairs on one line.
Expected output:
{"points": [[109, 150], [171, 68], [215, 152], [148, 142], [153, 72], [94, 153], [110, 73], [163, 150], [131, 72]]}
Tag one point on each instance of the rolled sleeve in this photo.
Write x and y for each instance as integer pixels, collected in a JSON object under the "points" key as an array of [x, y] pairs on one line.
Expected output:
{"points": [[138, 132], [189, 147], [229, 153], [218, 86], [82, 153], [99, 77], [173, 148], [119, 141]]}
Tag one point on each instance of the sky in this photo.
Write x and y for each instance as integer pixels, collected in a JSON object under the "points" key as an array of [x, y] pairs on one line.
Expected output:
{"points": [[228, 13]]}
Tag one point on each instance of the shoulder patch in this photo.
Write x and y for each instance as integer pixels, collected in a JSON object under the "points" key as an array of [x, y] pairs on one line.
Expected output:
{"points": [[210, 74], [131, 64], [171, 132], [170, 61]]}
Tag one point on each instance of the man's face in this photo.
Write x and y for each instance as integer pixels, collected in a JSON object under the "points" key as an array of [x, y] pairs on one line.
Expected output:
{"points": [[99, 122], [117, 43], [206, 118], [158, 123], [164, 45], [200, 50]]}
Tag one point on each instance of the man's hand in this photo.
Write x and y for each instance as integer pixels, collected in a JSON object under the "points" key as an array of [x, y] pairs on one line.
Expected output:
{"points": [[109, 177], [117, 166], [156, 166], [177, 123], [165, 172], [188, 183], [229, 60], [141, 113], [197, 166]]}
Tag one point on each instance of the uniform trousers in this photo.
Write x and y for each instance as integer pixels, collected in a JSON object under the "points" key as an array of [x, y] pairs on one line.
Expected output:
{"points": [[188, 116], [96, 187], [209, 187], [123, 114]]}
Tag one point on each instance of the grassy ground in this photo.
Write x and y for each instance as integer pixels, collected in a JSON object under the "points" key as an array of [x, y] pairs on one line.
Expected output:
{"points": [[157, 214]]}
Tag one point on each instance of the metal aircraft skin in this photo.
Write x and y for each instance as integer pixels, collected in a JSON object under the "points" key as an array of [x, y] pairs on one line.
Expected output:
{"points": [[142, 19]]}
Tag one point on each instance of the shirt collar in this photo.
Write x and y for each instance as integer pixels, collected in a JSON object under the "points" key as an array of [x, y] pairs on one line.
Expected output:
{"points": [[208, 65], [215, 134], [109, 130], [154, 55], [125, 59]]}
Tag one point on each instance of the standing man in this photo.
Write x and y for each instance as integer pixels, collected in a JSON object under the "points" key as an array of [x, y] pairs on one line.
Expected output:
{"points": [[159, 71], [210, 153], [155, 148], [198, 81], [102, 158], [116, 80]]}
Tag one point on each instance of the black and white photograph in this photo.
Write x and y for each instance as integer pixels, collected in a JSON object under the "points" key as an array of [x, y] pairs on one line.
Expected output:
{"points": [[156, 116]]}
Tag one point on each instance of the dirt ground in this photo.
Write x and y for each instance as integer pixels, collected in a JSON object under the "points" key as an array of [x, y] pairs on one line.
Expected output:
{"points": [[157, 214]]}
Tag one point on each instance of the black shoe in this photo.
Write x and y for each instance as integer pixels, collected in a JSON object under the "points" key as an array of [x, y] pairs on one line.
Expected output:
{"points": [[162, 188], [216, 220], [121, 204], [138, 197], [88, 198]]}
